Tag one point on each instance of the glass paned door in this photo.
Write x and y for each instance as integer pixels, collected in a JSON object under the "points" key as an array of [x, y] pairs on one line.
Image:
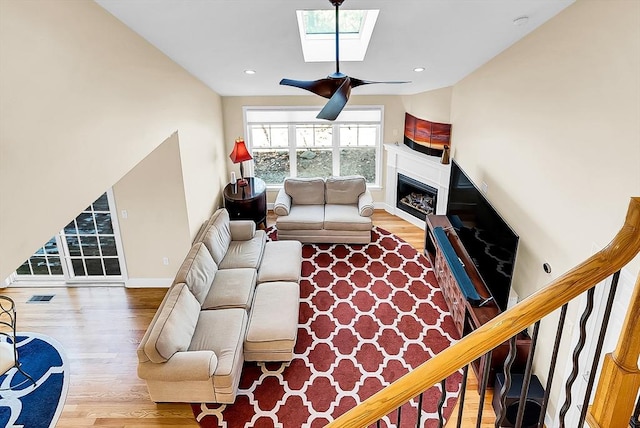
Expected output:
{"points": [[86, 249], [90, 242]]}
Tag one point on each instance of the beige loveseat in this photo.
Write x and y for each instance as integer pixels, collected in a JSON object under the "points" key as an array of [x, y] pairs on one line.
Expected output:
{"points": [[235, 298], [332, 210]]}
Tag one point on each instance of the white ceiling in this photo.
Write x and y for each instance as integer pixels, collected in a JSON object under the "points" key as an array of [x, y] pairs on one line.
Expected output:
{"points": [[216, 40]]}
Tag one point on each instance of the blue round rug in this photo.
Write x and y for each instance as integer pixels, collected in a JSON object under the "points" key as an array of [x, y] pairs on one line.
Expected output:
{"points": [[39, 405]]}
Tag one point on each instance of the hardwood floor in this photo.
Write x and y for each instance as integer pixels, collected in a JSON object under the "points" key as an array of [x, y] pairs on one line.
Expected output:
{"points": [[100, 327]]}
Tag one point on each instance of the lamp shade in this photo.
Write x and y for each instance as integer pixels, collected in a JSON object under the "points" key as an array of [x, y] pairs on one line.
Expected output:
{"points": [[240, 152]]}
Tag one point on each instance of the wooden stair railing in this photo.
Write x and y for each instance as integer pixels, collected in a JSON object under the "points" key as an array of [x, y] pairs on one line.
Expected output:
{"points": [[622, 249], [619, 373]]}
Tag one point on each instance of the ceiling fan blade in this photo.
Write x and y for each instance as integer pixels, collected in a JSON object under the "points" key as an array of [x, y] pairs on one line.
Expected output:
{"points": [[359, 82], [324, 87], [337, 102]]}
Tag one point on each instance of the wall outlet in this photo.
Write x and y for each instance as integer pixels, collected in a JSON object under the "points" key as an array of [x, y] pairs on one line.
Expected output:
{"points": [[484, 187], [165, 261], [124, 214]]}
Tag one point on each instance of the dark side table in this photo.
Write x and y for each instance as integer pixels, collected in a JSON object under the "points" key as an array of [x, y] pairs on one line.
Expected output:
{"points": [[247, 202]]}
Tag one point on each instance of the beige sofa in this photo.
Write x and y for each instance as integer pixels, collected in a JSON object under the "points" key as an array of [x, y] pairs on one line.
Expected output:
{"points": [[332, 210], [235, 298]]}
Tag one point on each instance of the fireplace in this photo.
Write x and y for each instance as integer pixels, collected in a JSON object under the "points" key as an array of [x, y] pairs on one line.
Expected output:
{"points": [[428, 172], [415, 198]]}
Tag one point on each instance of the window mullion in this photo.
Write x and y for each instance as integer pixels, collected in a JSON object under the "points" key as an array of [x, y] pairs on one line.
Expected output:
{"points": [[335, 147], [378, 154], [293, 143], [63, 252]]}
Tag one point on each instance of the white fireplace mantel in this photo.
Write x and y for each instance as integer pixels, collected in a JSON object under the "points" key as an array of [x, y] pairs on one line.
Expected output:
{"points": [[426, 169]]}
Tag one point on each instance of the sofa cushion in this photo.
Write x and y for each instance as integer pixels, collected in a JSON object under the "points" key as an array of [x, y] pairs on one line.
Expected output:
{"points": [[306, 217], [344, 190], [272, 267], [197, 271], [242, 230], [273, 325], [174, 326], [222, 331], [231, 288], [305, 191], [245, 254], [217, 237], [345, 217]]}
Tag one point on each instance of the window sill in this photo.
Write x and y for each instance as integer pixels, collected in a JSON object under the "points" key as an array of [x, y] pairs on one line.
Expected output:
{"points": [[277, 187]]}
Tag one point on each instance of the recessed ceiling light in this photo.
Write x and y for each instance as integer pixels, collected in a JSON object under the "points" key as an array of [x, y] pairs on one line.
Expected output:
{"points": [[419, 69], [249, 72], [521, 20]]}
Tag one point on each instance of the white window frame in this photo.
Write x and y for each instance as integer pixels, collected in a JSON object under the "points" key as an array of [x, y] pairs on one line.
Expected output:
{"points": [[68, 277], [295, 115]]}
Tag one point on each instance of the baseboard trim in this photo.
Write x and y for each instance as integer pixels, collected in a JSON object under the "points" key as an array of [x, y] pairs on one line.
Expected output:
{"points": [[148, 282]]}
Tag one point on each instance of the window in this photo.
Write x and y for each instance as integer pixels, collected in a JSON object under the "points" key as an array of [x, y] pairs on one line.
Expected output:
{"points": [[45, 261], [293, 143], [91, 243], [317, 29], [324, 21], [86, 249]]}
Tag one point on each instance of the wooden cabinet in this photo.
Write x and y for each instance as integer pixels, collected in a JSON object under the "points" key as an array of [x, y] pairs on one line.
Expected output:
{"points": [[247, 202], [467, 315], [452, 294]]}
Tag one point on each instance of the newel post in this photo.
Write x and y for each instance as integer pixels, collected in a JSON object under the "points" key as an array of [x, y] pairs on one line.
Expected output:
{"points": [[618, 386]]}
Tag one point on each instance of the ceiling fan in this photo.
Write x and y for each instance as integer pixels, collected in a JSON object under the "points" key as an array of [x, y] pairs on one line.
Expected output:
{"points": [[337, 86]]}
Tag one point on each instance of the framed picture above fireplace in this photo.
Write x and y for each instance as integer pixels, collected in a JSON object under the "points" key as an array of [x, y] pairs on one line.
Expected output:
{"points": [[425, 136]]}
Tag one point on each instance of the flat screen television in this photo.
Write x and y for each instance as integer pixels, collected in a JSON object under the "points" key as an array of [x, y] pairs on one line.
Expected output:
{"points": [[489, 240]]}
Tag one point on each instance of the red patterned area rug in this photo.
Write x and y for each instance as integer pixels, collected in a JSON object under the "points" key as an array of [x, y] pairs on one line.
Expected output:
{"points": [[368, 315]]}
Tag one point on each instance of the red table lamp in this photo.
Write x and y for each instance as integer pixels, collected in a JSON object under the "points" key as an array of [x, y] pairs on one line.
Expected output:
{"points": [[239, 155]]}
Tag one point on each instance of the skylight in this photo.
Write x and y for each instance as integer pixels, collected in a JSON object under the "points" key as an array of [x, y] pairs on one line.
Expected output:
{"points": [[317, 34]]}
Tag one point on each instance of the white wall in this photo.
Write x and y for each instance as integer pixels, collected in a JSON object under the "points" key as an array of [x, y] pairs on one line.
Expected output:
{"points": [[84, 99]]}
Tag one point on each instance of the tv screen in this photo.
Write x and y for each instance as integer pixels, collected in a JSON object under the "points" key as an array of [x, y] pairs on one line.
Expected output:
{"points": [[488, 239]]}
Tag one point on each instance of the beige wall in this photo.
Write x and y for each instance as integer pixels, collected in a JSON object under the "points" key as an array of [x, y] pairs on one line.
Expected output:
{"points": [[552, 125], [434, 105], [84, 99], [156, 223]]}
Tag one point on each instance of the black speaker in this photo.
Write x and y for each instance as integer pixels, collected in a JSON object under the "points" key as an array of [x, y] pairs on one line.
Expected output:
{"points": [[532, 405]]}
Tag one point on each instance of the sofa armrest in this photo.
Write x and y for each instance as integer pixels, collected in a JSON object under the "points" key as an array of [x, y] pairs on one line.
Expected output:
{"points": [[282, 204], [365, 204], [242, 230], [184, 365]]}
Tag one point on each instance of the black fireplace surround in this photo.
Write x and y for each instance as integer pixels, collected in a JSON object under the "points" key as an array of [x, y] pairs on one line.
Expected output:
{"points": [[415, 198]]}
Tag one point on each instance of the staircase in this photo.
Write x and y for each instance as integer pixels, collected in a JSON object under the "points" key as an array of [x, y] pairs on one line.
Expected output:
{"points": [[614, 403]]}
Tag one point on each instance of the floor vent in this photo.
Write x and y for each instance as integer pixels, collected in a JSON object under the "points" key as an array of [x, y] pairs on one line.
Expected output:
{"points": [[40, 298]]}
